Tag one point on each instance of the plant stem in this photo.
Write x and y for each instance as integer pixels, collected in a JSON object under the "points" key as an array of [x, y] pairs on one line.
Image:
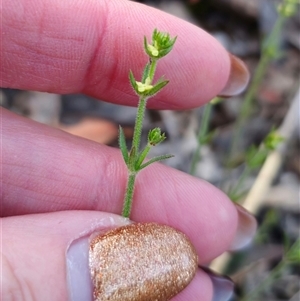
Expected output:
{"points": [[161, 45], [273, 274], [139, 123], [141, 112], [143, 155], [247, 104], [129, 195], [266, 58], [201, 135], [266, 282], [152, 69], [136, 145], [232, 192]]}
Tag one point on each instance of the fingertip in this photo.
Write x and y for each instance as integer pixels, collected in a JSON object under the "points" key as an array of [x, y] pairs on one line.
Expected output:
{"points": [[79, 280], [247, 226], [238, 78], [200, 288], [86, 50], [198, 67], [204, 211]]}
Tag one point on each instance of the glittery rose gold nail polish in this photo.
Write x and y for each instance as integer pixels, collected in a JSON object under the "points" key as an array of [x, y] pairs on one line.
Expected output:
{"points": [[141, 262]]}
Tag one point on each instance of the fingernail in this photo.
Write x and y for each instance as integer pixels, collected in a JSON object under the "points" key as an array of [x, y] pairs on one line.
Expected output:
{"points": [[141, 262], [238, 78], [80, 284], [223, 286], [247, 226]]}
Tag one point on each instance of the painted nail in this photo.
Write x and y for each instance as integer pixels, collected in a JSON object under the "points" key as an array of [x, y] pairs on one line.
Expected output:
{"points": [[141, 262], [223, 286], [80, 285], [247, 226], [238, 78]]}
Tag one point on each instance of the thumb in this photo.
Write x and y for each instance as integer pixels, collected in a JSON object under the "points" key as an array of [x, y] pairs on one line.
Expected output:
{"points": [[46, 257], [37, 261]]}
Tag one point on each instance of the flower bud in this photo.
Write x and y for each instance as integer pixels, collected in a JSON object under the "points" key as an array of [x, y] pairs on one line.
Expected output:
{"points": [[161, 45], [155, 136]]}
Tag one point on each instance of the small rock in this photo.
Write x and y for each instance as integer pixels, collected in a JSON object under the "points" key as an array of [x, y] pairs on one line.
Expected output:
{"points": [[141, 262]]}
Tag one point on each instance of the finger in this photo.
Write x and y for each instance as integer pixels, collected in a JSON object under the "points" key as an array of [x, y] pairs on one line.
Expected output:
{"points": [[45, 257], [48, 170], [79, 46]]}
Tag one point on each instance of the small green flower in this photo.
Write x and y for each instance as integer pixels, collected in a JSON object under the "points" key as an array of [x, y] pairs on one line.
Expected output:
{"points": [[143, 87], [146, 89], [155, 136], [288, 8], [161, 45], [154, 51], [273, 140]]}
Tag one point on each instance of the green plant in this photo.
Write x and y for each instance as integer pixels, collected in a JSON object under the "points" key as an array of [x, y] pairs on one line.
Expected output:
{"points": [[292, 256], [254, 159], [269, 52], [203, 136], [134, 159]]}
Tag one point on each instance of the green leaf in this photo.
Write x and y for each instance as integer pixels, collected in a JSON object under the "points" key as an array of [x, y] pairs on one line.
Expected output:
{"points": [[164, 52], [156, 88], [142, 157], [155, 31], [293, 255], [155, 159], [132, 159], [237, 196], [162, 40], [255, 157], [133, 82], [122, 145], [146, 47], [146, 72], [206, 139], [272, 140]]}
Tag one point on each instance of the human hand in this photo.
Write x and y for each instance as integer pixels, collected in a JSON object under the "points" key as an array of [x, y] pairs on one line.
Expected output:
{"points": [[55, 184]]}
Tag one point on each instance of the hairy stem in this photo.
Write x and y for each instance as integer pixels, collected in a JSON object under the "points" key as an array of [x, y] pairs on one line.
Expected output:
{"points": [[139, 123], [129, 195], [152, 69]]}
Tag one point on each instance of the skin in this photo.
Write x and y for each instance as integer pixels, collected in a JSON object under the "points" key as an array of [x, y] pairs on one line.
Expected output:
{"points": [[54, 184]]}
